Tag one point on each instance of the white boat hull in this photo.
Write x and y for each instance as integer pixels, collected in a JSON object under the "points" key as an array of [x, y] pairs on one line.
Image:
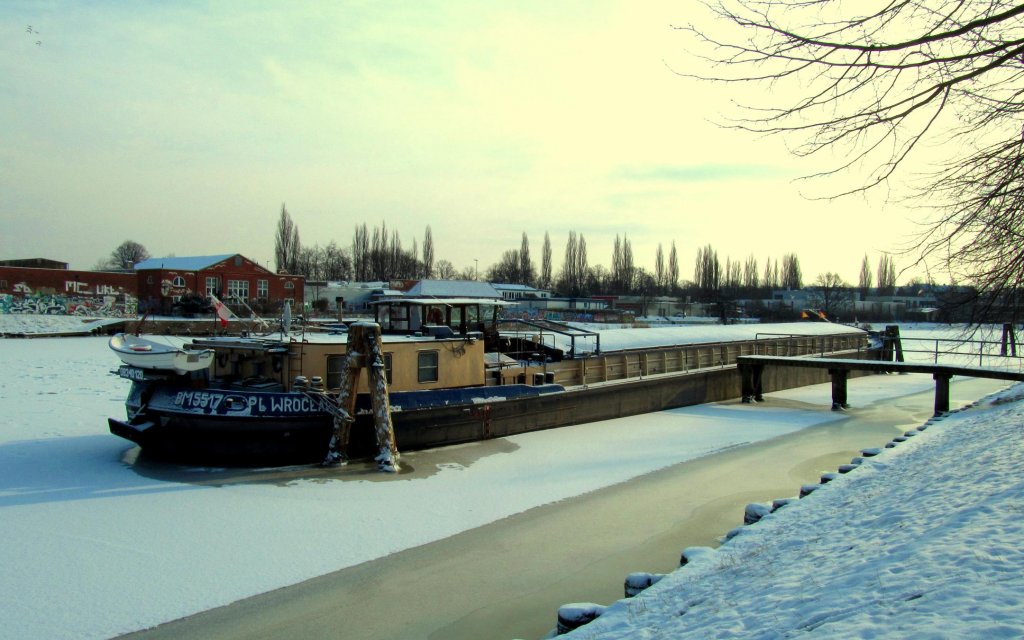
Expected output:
{"points": [[146, 354]]}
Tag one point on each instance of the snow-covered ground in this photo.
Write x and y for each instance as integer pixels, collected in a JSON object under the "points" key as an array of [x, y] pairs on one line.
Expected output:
{"points": [[922, 541], [95, 545]]}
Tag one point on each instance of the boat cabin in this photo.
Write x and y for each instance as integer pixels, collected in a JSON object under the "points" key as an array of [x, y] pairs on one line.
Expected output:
{"points": [[438, 317]]}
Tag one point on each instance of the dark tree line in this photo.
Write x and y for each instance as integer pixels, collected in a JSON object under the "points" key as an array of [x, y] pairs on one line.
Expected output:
{"points": [[377, 254], [743, 278]]}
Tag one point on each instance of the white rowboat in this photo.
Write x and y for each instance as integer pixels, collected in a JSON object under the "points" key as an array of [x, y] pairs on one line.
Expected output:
{"points": [[146, 354]]}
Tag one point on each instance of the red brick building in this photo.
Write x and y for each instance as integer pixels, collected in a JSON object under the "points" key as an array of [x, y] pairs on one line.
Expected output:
{"points": [[231, 277], [155, 285], [63, 291]]}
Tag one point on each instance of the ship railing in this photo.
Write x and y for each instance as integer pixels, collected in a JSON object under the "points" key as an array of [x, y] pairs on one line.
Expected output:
{"points": [[626, 365]]}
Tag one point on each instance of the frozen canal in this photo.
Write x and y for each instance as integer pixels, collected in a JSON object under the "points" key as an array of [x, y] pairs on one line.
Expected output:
{"points": [[96, 546]]}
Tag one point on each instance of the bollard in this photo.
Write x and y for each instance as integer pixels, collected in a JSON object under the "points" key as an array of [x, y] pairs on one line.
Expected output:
{"points": [[637, 582], [778, 503], [690, 554], [828, 477], [754, 512], [808, 489], [732, 533], [574, 616]]}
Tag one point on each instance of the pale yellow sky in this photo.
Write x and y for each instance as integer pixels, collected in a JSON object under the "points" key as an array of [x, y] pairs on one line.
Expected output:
{"points": [[186, 126]]}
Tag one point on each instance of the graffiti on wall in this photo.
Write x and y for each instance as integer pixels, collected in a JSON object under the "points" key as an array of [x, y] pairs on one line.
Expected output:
{"points": [[78, 299]]}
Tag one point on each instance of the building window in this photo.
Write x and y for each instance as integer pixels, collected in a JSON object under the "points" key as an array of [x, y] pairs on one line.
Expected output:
{"points": [[238, 289], [262, 289], [212, 285], [289, 285], [178, 282], [427, 367]]}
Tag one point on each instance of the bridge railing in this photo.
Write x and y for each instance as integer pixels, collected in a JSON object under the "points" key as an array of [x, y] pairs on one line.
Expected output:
{"points": [[792, 344], [966, 351]]}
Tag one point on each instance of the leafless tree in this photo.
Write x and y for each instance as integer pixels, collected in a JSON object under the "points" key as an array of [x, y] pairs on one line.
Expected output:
{"points": [[886, 275], [831, 294], [545, 262], [445, 270], [623, 272], [527, 272], [126, 255], [361, 253], [791, 276], [881, 82], [286, 244], [673, 269], [864, 283], [751, 276], [771, 275], [428, 253], [707, 272], [659, 269], [574, 269]]}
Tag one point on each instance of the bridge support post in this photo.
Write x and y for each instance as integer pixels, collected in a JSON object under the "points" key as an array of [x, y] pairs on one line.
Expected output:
{"points": [[1009, 341], [941, 392], [839, 377], [750, 382]]}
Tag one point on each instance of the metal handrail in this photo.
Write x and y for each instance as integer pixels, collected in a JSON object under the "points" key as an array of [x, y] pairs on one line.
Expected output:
{"points": [[975, 348]]}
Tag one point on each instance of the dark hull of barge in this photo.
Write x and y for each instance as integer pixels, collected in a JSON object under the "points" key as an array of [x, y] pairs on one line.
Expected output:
{"points": [[470, 415]]}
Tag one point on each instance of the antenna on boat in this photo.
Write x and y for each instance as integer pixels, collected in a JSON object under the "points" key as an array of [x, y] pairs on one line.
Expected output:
{"points": [[253, 316], [286, 319], [138, 327]]}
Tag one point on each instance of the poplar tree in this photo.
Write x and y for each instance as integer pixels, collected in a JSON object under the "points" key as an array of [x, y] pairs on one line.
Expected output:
{"points": [[864, 282], [428, 253], [545, 262], [286, 244]]}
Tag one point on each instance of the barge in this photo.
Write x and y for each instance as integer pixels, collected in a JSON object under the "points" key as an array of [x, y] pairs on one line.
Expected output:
{"points": [[451, 378]]}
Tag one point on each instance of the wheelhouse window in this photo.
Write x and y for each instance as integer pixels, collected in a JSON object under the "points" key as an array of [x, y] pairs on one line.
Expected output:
{"points": [[238, 289], [427, 367], [336, 370]]}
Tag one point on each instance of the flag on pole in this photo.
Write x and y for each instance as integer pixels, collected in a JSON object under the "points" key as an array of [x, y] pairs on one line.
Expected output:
{"points": [[222, 310]]}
